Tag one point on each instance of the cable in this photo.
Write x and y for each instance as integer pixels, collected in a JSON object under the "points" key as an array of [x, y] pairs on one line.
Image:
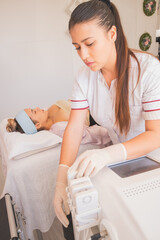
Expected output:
{"points": [[98, 235]]}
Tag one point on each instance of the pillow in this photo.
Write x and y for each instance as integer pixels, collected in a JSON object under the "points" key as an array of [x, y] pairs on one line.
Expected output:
{"points": [[20, 145]]}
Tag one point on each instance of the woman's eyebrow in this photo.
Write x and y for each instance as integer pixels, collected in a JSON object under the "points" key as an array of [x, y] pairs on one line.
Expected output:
{"points": [[82, 40]]}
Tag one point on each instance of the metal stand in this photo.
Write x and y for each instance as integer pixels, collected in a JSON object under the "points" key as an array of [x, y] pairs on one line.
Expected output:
{"points": [[39, 234], [158, 40]]}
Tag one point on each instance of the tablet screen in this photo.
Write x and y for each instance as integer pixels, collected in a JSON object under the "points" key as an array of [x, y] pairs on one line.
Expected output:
{"points": [[135, 166]]}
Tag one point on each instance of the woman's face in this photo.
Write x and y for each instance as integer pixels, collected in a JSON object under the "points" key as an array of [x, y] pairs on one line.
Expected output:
{"points": [[38, 116], [94, 44]]}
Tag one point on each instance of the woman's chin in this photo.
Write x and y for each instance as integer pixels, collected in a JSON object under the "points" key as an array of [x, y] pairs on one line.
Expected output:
{"points": [[94, 68]]}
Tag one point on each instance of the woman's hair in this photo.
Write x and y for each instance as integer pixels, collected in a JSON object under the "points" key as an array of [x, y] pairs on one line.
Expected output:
{"points": [[22, 123], [13, 126], [107, 16]]}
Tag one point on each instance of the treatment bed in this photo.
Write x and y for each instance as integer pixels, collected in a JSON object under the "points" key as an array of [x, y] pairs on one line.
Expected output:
{"points": [[29, 164]]}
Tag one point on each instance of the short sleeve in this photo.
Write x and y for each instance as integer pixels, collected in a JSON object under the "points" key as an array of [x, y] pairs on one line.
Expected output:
{"points": [[151, 94], [79, 98]]}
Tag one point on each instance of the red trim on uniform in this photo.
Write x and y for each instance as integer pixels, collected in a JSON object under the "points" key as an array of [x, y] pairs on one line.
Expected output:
{"points": [[152, 110], [151, 101], [79, 108], [78, 100]]}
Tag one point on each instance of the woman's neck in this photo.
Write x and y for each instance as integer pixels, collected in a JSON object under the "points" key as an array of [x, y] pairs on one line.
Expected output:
{"points": [[53, 113], [109, 71], [109, 75], [48, 124]]}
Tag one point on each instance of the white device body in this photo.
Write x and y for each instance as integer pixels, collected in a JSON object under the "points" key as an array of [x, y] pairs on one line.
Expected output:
{"points": [[130, 205]]}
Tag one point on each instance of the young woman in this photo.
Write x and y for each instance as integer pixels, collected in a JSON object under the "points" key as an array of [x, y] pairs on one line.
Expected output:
{"points": [[121, 88], [30, 121]]}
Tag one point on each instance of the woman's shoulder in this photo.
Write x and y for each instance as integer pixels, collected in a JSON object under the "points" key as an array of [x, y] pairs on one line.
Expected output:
{"points": [[147, 61], [64, 104], [52, 109]]}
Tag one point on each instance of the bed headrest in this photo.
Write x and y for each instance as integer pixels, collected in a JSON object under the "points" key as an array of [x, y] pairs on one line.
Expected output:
{"points": [[20, 145]]}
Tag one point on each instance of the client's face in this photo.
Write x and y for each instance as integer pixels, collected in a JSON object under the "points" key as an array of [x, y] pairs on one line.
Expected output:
{"points": [[37, 115]]}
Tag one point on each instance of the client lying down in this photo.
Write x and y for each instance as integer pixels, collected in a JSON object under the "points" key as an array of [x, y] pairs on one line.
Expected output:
{"points": [[40, 119], [54, 119]]}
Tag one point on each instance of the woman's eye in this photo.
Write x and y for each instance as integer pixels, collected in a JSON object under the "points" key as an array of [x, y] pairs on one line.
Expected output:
{"points": [[90, 44], [78, 48]]}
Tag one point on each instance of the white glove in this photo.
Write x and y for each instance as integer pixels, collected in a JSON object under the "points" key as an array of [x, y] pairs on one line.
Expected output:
{"points": [[91, 162], [60, 203]]}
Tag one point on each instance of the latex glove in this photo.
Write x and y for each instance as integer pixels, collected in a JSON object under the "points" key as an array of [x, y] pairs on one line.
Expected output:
{"points": [[91, 162], [60, 196]]}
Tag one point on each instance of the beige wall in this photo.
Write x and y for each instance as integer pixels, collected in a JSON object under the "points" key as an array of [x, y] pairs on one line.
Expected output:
{"points": [[135, 22], [35, 54], [37, 60]]}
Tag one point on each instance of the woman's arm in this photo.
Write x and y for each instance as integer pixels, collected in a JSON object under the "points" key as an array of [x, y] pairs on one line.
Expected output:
{"points": [[91, 161], [70, 145], [145, 142], [72, 136]]}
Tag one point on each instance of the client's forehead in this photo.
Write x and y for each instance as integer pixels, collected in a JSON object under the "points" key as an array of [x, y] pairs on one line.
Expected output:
{"points": [[28, 111]]}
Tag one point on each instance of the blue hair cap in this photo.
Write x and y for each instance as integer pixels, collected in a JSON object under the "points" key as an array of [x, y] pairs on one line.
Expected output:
{"points": [[26, 123]]}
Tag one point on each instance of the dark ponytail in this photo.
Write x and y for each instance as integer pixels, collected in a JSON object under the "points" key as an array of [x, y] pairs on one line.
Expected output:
{"points": [[107, 15], [122, 113]]}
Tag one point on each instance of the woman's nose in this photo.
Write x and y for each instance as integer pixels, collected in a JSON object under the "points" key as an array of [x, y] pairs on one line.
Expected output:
{"points": [[84, 54]]}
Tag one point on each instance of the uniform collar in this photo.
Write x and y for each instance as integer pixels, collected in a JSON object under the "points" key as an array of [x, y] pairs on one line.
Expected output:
{"points": [[102, 79]]}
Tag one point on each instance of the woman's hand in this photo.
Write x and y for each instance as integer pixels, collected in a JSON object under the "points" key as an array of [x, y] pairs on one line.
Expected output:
{"points": [[91, 162], [60, 196]]}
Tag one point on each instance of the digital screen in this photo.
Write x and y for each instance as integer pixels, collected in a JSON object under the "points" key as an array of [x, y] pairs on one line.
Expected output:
{"points": [[135, 166]]}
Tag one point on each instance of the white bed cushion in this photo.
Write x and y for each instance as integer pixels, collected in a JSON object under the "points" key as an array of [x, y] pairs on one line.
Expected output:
{"points": [[20, 145]]}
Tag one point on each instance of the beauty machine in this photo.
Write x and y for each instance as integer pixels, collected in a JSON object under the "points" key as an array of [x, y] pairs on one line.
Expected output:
{"points": [[131, 207], [128, 195]]}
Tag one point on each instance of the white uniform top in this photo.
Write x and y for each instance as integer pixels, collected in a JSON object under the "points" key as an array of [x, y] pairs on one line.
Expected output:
{"points": [[90, 90]]}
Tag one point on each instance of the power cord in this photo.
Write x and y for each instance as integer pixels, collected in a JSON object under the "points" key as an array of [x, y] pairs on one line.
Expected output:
{"points": [[98, 235]]}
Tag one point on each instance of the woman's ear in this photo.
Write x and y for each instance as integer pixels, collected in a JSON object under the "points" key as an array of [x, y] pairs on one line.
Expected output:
{"points": [[113, 33], [38, 125]]}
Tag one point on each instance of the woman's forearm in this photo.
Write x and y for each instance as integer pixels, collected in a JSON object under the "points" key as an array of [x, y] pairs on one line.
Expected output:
{"points": [[72, 136], [70, 145], [142, 144]]}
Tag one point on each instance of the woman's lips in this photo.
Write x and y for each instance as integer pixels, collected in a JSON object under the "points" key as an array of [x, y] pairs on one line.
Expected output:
{"points": [[89, 63]]}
